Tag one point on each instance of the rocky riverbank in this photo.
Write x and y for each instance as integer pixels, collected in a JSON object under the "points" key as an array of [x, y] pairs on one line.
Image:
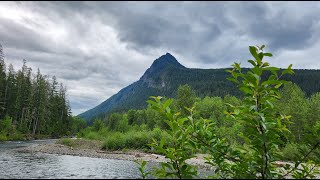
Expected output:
{"points": [[92, 148], [88, 148]]}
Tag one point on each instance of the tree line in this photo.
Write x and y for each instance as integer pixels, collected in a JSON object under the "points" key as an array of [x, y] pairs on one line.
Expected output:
{"points": [[304, 111], [33, 105]]}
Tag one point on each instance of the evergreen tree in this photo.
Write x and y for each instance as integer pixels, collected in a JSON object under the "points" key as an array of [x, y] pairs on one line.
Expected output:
{"points": [[2, 84], [11, 87]]}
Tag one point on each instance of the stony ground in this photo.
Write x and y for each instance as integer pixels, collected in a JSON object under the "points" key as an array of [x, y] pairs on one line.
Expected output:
{"points": [[90, 148]]}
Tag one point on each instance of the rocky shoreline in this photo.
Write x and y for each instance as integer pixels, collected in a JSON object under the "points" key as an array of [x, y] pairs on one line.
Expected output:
{"points": [[130, 155], [91, 148]]}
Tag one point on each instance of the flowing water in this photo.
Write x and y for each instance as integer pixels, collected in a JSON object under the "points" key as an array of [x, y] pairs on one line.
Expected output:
{"points": [[41, 165]]}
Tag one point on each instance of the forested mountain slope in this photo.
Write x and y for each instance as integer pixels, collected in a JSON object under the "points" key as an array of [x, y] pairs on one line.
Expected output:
{"points": [[166, 74]]}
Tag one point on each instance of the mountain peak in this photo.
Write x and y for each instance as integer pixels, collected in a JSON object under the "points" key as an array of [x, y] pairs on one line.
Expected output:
{"points": [[165, 61], [160, 65]]}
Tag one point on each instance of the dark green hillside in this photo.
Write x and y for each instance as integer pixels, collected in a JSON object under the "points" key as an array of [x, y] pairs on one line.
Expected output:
{"points": [[166, 74]]}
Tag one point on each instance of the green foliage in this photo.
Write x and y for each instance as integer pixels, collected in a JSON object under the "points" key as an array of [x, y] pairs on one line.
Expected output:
{"points": [[116, 141], [185, 98], [133, 138], [5, 125], [293, 151], [263, 130], [142, 169], [307, 170], [3, 137], [179, 152], [293, 102], [67, 142], [262, 122], [16, 136], [98, 125], [243, 137], [77, 124], [34, 103], [122, 125], [204, 82]]}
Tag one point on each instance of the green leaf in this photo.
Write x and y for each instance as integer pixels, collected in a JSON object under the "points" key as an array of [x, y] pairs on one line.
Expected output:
{"points": [[266, 64], [260, 55], [257, 70], [270, 82], [253, 51], [143, 163], [252, 62], [237, 66], [288, 71], [271, 68], [245, 90], [267, 54], [152, 102], [277, 86], [167, 103], [181, 121], [271, 105], [233, 80]]}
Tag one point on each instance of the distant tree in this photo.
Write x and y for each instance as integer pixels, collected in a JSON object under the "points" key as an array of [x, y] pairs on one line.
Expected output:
{"points": [[113, 120], [77, 124], [185, 98], [294, 102], [11, 88], [98, 124], [131, 116], [2, 84]]}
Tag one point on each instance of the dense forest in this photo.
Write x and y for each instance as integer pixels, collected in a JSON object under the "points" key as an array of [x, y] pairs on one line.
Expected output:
{"points": [[33, 105]]}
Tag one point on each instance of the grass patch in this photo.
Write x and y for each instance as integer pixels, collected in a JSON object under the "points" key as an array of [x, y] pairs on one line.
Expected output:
{"points": [[67, 142], [134, 140], [81, 143]]}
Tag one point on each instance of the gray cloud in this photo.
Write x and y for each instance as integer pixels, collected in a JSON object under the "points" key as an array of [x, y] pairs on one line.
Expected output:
{"points": [[97, 48]]}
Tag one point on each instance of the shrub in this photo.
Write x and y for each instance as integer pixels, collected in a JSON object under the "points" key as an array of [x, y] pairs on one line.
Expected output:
{"points": [[92, 135], [3, 137], [17, 136], [115, 141], [67, 142]]}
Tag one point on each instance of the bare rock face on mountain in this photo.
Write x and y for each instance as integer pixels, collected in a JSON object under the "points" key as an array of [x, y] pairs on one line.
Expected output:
{"points": [[159, 69]]}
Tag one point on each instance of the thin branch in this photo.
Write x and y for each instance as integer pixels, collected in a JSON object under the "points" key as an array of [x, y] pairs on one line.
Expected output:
{"points": [[303, 159]]}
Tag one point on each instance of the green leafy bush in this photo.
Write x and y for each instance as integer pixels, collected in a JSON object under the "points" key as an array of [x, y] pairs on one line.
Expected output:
{"points": [[263, 131], [115, 141]]}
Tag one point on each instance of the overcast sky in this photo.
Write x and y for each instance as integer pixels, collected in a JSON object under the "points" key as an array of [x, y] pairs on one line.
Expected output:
{"points": [[98, 48]]}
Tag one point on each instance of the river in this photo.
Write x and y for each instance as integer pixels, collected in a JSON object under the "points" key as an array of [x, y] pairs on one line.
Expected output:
{"points": [[15, 165]]}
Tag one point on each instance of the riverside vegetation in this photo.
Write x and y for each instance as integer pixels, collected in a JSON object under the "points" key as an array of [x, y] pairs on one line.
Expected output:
{"points": [[244, 137]]}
